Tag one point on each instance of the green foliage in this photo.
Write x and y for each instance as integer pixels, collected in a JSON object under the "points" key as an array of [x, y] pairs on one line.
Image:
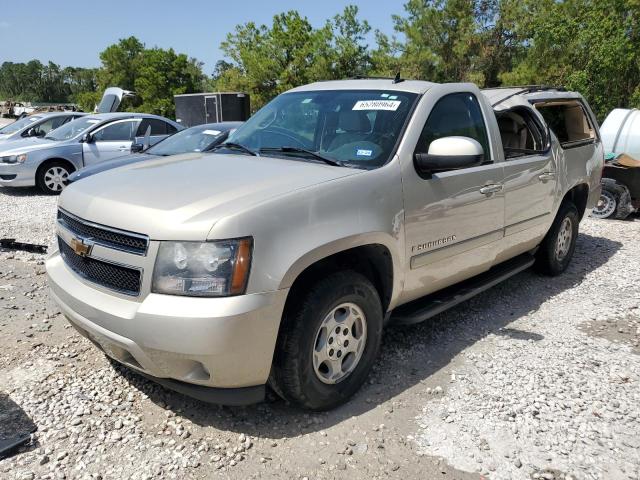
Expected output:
{"points": [[268, 60], [156, 75], [586, 45], [34, 81]]}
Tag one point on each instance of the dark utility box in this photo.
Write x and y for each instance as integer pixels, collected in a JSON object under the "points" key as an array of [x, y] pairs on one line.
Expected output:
{"points": [[198, 108]]}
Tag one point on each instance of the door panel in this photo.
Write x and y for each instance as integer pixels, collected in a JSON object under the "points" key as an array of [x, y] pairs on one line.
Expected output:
{"points": [[529, 187], [452, 229], [111, 141]]}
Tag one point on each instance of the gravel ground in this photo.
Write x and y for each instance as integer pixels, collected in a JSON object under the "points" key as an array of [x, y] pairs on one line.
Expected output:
{"points": [[28, 215], [537, 378]]}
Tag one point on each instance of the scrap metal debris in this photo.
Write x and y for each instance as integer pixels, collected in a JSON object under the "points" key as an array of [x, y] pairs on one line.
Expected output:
{"points": [[11, 244]]}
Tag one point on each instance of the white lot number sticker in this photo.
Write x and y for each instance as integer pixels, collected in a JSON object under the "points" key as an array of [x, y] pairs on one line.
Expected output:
{"points": [[391, 105]]}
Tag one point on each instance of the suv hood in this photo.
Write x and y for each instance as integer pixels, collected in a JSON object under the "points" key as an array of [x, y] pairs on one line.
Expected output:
{"points": [[181, 197]]}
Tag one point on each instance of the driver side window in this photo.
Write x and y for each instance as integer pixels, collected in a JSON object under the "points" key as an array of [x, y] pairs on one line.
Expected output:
{"points": [[457, 114]]}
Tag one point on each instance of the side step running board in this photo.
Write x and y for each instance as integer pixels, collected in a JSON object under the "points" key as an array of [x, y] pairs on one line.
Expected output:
{"points": [[431, 305]]}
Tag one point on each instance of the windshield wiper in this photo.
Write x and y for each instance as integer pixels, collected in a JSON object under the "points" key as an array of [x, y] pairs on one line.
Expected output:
{"points": [[237, 146], [311, 153]]}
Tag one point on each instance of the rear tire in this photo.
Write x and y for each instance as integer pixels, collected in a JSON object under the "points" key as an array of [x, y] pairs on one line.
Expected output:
{"points": [[328, 341], [556, 250], [53, 177]]}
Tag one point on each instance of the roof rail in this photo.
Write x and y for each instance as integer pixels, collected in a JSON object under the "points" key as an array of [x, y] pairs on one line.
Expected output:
{"points": [[531, 88], [526, 89], [366, 77]]}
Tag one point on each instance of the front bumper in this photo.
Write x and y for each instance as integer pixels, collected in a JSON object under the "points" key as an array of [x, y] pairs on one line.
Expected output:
{"points": [[181, 342], [17, 175]]}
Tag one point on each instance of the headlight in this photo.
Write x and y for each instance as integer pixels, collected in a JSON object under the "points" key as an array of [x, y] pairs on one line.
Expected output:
{"points": [[208, 269], [14, 158]]}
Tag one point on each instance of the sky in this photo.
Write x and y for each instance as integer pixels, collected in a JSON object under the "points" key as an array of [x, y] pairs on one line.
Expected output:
{"points": [[73, 32]]}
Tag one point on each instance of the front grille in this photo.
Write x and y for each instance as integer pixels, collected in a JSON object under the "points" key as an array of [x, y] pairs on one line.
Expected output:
{"points": [[108, 237], [115, 277]]}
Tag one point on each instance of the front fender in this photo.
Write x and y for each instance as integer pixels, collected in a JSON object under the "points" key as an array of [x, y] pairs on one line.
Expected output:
{"points": [[69, 153], [293, 231]]}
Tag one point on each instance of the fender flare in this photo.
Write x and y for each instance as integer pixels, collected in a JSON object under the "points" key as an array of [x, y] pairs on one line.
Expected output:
{"points": [[340, 245]]}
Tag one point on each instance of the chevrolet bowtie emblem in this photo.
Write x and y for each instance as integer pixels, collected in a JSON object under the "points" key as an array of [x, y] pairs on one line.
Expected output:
{"points": [[81, 248]]}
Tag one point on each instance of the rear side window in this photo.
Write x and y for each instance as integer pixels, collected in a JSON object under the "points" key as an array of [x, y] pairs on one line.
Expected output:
{"points": [[522, 134], [158, 127], [457, 114], [569, 121]]}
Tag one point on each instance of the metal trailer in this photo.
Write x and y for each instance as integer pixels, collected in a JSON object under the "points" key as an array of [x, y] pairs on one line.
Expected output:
{"points": [[199, 108]]}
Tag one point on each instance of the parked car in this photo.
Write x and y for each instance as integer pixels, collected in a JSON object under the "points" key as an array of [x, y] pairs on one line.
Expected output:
{"points": [[337, 208], [201, 138], [36, 125], [47, 162], [621, 175]]}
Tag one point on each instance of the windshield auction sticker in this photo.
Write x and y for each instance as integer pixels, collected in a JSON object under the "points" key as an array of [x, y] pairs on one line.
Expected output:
{"points": [[377, 105]]}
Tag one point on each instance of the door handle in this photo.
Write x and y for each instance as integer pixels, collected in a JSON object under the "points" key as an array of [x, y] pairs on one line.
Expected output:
{"points": [[124, 149], [546, 176], [490, 189]]}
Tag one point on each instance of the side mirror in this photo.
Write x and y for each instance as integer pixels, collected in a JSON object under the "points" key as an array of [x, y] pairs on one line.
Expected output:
{"points": [[87, 138], [449, 153], [32, 132], [137, 148]]}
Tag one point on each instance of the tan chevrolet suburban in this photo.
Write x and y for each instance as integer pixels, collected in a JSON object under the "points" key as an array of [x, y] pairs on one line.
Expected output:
{"points": [[336, 209]]}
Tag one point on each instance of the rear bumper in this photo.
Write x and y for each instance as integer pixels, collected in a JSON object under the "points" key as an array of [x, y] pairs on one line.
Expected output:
{"points": [[187, 344], [594, 196]]}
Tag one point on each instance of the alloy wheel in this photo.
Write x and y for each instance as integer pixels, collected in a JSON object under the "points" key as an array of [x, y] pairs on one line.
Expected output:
{"points": [[55, 178], [340, 342], [563, 242]]}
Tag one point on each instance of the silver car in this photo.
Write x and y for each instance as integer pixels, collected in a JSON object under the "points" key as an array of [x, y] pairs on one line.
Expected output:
{"points": [[38, 125], [47, 162]]}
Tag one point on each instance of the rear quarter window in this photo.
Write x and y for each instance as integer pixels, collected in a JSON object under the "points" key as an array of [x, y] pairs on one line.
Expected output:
{"points": [[569, 121]]}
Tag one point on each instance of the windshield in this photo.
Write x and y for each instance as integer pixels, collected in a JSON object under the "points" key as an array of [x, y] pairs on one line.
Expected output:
{"points": [[19, 125], [354, 127], [72, 129], [194, 139]]}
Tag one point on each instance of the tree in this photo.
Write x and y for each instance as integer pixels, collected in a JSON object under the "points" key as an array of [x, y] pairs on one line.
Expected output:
{"points": [[161, 74], [120, 63], [155, 74], [268, 60], [585, 45], [350, 54], [440, 39]]}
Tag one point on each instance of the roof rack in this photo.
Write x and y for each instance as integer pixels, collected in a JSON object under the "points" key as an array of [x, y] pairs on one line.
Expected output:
{"points": [[395, 79], [526, 89], [531, 88]]}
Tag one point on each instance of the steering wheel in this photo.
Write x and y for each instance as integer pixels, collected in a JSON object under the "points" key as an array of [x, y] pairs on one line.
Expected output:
{"points": [[301, 141]]}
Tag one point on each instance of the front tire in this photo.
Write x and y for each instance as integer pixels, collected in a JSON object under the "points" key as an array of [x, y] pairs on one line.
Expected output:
{"points": [[328, 342], [53, 177], [556, 250]]}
